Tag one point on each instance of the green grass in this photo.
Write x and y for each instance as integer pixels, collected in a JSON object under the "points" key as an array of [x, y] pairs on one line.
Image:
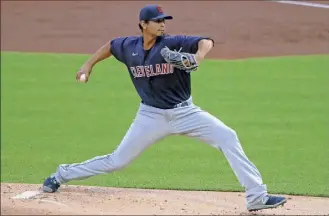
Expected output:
{"points": [[278, 106]]}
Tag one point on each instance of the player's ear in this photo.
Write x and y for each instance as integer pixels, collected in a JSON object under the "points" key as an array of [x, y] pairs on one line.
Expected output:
{"points": [[143, 24]]}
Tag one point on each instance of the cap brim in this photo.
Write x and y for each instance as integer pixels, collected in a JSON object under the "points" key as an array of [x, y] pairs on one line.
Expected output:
{"points": [[163, 16]]}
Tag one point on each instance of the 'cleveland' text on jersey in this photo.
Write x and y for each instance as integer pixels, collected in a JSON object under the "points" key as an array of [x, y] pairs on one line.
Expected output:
{"points": [[148, 70]]}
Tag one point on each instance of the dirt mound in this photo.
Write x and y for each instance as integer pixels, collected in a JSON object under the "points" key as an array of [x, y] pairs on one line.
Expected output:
{"points": [[85, 200]]}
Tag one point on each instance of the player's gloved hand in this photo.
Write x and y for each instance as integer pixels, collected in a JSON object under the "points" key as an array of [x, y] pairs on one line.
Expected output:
{"points": [[180, 60]]}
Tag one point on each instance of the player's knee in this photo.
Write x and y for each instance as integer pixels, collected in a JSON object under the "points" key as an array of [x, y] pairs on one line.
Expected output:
{"points": [[226, 138], [116, 163], [121, 164], [231, 136]]}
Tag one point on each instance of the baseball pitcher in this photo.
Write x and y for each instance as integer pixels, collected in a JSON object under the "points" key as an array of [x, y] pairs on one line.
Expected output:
{"points": [[160, 68]]}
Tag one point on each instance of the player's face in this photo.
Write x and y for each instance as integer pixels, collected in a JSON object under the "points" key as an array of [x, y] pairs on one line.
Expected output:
{"points": [[156, 27]]}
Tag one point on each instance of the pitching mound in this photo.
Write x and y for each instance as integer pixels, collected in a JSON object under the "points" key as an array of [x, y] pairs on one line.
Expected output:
{"points": [[28, 200]]}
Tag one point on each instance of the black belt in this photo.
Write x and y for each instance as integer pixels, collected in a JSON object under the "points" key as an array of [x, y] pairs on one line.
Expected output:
{"points": [[183, 104]]}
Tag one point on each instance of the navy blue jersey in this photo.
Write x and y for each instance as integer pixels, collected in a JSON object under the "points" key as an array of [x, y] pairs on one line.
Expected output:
{"points": [[158, 83]]}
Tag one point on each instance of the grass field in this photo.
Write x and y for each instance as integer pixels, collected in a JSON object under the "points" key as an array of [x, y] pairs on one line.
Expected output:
{"points": [[278, 106]]}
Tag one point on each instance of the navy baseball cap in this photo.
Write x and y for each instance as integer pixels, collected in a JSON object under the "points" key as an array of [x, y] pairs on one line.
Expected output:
{"points": [[152, 12]]}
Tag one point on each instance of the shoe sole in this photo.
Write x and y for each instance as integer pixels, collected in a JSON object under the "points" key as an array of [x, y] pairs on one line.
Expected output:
{"points": [[261, 207], [48, 189]]}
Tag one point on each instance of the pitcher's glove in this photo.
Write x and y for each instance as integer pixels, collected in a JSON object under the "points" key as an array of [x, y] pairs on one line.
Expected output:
{"points": [[180, 60]]}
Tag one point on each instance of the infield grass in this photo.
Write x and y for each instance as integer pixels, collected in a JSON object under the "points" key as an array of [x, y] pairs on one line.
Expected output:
{"points": [[278, 106]]}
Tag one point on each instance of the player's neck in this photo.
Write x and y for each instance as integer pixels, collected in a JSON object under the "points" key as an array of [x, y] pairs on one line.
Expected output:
{"points": [[148, 41]]}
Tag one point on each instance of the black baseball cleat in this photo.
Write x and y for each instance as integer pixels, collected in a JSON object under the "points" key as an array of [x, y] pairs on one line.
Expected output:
{"points": [[267, 203], [50, 185]]}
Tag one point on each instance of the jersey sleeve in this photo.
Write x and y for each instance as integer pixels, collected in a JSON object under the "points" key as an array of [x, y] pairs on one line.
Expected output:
{"points": [[189, 44], [117, 48]]}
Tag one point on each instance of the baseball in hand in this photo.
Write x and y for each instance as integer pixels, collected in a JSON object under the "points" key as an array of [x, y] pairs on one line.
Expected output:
{"points": [[82, 78]]}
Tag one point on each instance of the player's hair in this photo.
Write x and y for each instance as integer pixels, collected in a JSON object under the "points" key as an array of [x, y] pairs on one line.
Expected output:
{"points": [[140, 26]]}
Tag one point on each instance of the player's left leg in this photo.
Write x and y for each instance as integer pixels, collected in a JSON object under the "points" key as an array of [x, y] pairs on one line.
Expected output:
{"points": [[194, 122]]}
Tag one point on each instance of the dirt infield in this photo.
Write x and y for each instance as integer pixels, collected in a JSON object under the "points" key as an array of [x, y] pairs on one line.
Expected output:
{"points": [[240, 30], [117, 201]]}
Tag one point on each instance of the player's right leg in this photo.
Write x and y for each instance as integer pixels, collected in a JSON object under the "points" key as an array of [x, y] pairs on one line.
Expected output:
{"points": [[148, 127]]}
